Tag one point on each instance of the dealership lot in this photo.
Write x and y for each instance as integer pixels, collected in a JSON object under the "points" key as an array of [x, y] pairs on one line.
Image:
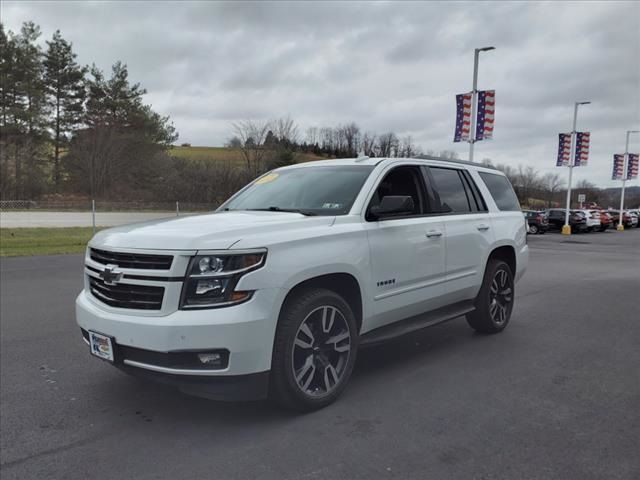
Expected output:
{"points": [[554, 396]]}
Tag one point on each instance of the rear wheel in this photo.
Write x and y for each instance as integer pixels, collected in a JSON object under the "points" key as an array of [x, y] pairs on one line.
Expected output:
{"points": [[494, 302], [315, 350], [533, 229]]}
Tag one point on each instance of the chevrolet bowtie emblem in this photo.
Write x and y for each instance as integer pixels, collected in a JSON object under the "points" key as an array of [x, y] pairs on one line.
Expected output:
{"points": [[110, 275]]}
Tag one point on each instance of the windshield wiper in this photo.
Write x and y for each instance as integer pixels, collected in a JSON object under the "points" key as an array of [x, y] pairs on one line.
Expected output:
{"points": [[288, 210]]}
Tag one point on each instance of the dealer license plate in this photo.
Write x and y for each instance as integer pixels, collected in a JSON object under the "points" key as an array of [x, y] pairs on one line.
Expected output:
{"points": [[101, 346]]}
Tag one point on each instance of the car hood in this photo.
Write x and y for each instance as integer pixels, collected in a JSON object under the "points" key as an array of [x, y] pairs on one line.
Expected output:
{"points": [[213, 231]]}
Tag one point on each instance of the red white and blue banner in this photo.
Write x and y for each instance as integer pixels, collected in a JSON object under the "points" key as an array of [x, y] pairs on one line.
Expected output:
{"points": [[618, 167], [486, 114], [633, 166], [463, 117], [564, 149], [582, 149]]}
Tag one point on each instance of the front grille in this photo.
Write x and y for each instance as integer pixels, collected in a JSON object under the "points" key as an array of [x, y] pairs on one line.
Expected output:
{"points": [[132, 260], [140, 297]]}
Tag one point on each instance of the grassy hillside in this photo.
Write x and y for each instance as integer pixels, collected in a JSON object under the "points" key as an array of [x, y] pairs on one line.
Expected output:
{"points": [[225, 154]]}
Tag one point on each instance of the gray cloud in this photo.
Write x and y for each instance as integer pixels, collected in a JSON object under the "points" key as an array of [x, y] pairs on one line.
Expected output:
{"points": [[386, 65]]}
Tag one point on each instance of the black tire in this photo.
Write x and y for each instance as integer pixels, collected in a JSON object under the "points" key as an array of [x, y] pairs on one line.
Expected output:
{"points": [[290, 347], [493, 308], [533, 229]]}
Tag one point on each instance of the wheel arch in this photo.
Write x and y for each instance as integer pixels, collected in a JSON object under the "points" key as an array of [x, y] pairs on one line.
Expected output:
{"points": [[507, 254], [342, 283]]}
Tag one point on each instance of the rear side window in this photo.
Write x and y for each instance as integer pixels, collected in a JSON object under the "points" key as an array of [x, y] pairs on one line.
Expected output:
{"points": [[501, 190], [475, 198], [449, 191]]}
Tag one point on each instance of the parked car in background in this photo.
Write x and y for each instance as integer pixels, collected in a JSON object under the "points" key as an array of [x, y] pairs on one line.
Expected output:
{"points": [[605, 220], [615, 218], [634, 218], [593, 219], [538, 222], [577, 222]]}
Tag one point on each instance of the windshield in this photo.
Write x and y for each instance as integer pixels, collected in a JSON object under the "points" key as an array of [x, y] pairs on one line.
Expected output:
{"points": [[327, 190]]}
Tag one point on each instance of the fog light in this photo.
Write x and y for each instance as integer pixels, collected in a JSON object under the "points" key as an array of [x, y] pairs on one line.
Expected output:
{"points": [[209, 358]]}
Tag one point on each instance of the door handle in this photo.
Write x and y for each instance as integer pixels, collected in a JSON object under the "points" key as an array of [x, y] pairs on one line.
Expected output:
{"points": [[483, 226], [434, 233]]}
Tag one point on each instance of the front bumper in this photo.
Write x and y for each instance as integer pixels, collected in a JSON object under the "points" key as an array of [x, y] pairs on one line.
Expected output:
{"points": [[246, 331]]}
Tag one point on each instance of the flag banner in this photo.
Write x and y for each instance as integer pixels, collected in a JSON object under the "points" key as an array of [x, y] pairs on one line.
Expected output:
{"points": [[564, 149], [486, 114], [582, 149], [463, 117], [633, 166], [618, 167]]}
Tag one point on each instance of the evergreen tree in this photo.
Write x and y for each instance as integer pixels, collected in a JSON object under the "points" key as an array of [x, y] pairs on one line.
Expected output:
{"points": [[23, 111], [123, 136], [65, 88]]}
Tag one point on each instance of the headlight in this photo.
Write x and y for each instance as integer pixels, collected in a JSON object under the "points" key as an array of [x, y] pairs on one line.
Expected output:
{"points": [[211, 279]]}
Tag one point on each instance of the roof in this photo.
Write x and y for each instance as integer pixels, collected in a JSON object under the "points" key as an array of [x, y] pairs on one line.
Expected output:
{"points": [[462, 162], [372, 161]]}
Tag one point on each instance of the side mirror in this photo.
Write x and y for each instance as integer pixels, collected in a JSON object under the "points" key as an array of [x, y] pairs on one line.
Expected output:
{"points": [[393, 205]]}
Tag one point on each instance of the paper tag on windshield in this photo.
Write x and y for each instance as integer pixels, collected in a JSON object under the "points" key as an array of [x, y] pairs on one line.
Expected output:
{"points": [[266, 179]]}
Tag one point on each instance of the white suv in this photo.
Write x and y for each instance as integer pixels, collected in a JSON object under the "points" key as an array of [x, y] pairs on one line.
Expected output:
{"points": [[273, 294]]}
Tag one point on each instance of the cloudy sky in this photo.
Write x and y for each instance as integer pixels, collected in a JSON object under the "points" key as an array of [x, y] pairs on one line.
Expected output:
{"points": [[386, 66]]}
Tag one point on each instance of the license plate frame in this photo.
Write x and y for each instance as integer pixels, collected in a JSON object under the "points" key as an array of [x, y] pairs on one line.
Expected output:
{"points": [[102, 346]]}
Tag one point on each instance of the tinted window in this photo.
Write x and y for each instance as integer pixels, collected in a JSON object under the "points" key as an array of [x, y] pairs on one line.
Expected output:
{"points": [[449, 191], [403, 181], [328, 190], [475, 199], [501, 191]]}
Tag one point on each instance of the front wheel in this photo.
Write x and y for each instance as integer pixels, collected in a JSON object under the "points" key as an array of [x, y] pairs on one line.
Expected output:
{"points": [[494, 302], [533, 229], [314, 351]]}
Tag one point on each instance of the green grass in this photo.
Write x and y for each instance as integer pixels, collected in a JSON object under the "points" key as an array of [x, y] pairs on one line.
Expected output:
{"points": [[234, 155], [207, 153], [16, 242]]}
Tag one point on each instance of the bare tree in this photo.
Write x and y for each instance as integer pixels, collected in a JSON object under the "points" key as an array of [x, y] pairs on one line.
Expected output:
{"points": [[285, 130], [407, 148], [528, 180], [312, 136], [386, 143], [552, 183], [351, 136], [369, 144], [252, 134]]}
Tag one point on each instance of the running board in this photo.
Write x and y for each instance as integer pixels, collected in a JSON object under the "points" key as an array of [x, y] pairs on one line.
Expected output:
{"points": [[412, 324]]}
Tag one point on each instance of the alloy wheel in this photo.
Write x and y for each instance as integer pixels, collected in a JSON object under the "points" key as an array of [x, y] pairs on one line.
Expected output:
{"points": [[321, 351], [500, 297]]}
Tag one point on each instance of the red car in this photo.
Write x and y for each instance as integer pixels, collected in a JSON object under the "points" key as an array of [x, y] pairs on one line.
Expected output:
{"points": [[605, 220]]}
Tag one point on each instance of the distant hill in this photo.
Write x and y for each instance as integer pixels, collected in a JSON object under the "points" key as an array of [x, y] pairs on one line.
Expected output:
{"points": [[226, 154]]}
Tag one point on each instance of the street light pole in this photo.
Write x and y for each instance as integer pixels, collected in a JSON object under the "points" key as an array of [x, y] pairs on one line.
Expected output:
{"points": [[625, 167], [474, 94], [566, 228]]}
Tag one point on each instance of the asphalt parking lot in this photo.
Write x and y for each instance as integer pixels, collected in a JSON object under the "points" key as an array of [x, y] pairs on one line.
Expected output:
{"points": [[557, 395]]}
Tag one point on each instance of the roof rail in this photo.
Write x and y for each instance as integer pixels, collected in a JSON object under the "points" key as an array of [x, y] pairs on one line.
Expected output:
{"points": [[462, 162]]}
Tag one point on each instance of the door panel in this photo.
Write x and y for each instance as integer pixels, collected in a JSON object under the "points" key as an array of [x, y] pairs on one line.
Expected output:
{"points": [[408, 267], [469, 237], [407, 254]]}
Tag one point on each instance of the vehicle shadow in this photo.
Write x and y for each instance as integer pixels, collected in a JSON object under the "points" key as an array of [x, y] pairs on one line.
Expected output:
{"points": [[374, 364]]}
